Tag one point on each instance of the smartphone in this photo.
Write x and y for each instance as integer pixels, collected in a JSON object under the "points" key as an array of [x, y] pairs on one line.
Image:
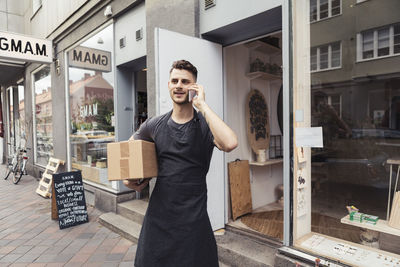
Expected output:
{"points": [[192, 93]]}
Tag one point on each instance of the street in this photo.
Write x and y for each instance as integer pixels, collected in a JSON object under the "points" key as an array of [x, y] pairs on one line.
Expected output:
{"points": [[29, 237]]}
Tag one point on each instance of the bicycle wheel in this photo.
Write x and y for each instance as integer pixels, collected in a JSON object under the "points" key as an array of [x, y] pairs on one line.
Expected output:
{"points": [[7, 172], [16, 175]]}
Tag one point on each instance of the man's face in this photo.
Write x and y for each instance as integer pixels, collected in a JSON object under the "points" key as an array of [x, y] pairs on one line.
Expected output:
{"points": [[178, 84]]}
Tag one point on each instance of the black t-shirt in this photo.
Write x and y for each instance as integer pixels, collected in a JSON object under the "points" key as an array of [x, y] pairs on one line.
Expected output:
{"points": [[149, 128]]}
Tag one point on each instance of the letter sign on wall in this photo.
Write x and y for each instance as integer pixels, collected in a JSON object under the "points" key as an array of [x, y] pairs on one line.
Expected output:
{"points": [[25, 48], [90, 59]]}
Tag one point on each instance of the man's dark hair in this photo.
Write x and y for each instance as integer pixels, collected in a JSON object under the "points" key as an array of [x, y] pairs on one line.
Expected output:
{"points": [[184, 65]]}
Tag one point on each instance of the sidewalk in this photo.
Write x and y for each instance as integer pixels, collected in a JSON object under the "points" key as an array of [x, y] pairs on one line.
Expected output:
{"points": [[28, 236]]}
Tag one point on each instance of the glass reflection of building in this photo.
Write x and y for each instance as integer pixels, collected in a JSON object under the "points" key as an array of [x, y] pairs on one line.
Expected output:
{"points": [[92, 108], [355, 96], [43, 115], [91, 105]]}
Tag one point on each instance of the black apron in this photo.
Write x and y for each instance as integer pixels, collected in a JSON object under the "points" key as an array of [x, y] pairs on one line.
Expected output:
{"points": [[176, 230]]}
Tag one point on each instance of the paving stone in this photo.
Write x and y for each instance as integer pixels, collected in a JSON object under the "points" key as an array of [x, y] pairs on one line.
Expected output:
{"points": [[81, 257], [115, 257], [22, 249], [17, 242], [28, 236], [126, 264], [86, 235], [10, 258], [96, 257], [110, 264], [7, 249]]}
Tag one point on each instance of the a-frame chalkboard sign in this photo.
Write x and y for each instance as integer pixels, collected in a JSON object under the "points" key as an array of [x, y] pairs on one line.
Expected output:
{"points": [[69, 199]]}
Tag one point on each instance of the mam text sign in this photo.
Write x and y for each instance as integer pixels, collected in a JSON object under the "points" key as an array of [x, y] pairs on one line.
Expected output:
{"points": [[90, 59], [25, 48]]}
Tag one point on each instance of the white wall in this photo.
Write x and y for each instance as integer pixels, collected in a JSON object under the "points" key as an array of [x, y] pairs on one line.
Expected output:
{"points": [[12, 15], [51, 15], [126, 26], [263, 179], [228, 11]]}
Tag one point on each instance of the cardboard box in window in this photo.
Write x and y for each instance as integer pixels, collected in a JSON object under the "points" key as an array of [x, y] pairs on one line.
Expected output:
{"points": [[131, 160]]}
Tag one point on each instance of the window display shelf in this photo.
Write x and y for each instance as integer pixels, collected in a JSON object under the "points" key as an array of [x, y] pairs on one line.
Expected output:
{"points": [[381, 226], [263, 47], [262, 75], [267, 163]]}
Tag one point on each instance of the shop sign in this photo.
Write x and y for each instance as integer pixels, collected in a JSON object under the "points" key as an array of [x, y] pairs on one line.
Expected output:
{"points": [[90, 59], [25, 48], [88, 110]]}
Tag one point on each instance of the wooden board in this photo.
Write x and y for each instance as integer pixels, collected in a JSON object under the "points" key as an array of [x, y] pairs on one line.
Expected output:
{"points": [[394, 220], [45, 183], [239, 180], [257, 119]]}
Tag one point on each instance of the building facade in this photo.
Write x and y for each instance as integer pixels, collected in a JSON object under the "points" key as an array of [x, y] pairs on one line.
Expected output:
{"points": [[320, 77]]}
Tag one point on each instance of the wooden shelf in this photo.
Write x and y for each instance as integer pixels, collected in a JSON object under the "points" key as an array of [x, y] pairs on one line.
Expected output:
{"points": [[266, 163], [262, 75], [381, 226], [263, 47]]}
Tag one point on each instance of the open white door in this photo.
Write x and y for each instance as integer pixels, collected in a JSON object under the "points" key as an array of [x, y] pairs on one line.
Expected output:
{"points": [[207, 57]]}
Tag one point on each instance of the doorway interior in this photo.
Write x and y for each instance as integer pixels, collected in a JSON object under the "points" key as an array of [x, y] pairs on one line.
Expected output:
{"points": [[253, 86]]}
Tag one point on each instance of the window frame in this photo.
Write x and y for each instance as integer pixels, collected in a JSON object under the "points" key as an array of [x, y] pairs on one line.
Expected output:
{"points": [[360, 39], [36, 5], [318, 61], [318, 2], [35, 162]]}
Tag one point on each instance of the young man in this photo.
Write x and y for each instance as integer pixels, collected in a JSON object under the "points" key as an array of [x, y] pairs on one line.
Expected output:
{"points": [[176, 230]]}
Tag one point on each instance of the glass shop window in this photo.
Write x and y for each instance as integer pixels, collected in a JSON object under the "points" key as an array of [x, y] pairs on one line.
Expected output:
{"points": [[20, 129], [349, 187], [91, 103], [43, 117], [10, 113]]}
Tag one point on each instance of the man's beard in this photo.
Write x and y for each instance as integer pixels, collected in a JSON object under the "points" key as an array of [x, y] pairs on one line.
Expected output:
{"points": [[184, 102]]}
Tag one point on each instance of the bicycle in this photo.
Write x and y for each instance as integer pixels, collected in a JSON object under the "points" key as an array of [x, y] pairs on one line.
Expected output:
{"points": [[17, 166]]}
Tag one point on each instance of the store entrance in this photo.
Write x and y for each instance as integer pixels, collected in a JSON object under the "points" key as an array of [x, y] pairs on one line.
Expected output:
{"points": [[253, 75]]}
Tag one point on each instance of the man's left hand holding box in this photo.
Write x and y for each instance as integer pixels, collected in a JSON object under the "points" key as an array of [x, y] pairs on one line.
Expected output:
{"points": [[132, 161]]}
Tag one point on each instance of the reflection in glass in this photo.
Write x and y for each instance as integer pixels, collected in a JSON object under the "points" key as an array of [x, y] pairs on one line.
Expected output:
{"points": [[368, 44], [335, 7], [43, 116], [20, 128], [397, 39], [357, 104], [383, 42], [91, 101], [313, 10], [323, 9], [10, 97]]}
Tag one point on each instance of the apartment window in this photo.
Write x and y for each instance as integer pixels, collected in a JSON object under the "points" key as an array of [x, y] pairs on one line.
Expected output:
{"points": [[323, 9], [326, 57], [396, 38], [368, 45], [379, 42]]}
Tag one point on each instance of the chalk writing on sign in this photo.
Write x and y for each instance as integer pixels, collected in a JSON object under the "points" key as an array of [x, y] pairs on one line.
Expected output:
{"points": [[70, 199]]}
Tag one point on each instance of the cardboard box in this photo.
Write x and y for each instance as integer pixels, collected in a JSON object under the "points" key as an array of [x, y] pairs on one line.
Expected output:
{"points": [[131, 160]]}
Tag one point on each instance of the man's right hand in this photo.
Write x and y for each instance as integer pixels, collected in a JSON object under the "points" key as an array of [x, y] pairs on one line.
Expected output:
{"points": [[136, 185]]}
